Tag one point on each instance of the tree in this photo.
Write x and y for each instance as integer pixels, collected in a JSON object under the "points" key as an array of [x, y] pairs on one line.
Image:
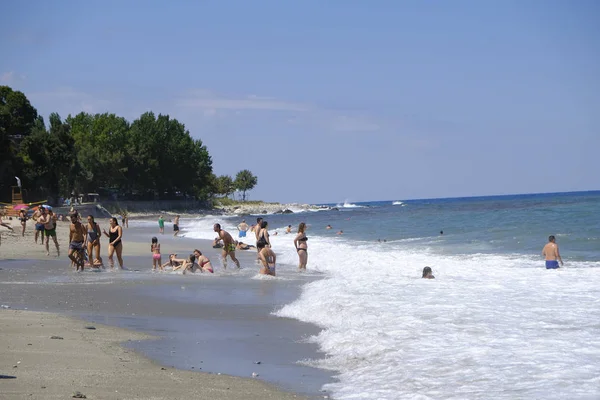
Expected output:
{"points": [[17, 118], [244, 180], [224, 185]]}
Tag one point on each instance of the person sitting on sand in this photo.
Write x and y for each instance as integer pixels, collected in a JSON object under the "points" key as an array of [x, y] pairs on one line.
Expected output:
{"points": [[268, 259], [204, 264], [427, 274]]}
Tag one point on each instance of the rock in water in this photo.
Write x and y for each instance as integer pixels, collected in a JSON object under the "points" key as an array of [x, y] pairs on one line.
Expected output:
{"points": [[79, 395]]}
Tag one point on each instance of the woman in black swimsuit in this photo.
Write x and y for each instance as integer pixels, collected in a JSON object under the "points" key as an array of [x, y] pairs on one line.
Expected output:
{"points": [[115, 233], [301, 246], [93, 241], [23, 219]]}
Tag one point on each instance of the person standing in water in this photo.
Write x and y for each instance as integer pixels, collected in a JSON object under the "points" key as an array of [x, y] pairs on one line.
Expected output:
{"points": [[76, 242], [242, 228], [50, 232], [228, 246], [301, 246], [161, 225], [93, 241], [176, 226], [156, 258], [551, 254], [115, 233], [268, 259]]}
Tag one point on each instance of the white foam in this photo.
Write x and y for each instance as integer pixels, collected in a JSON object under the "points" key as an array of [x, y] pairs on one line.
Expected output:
{"points": [[488, 326], [347, 204], [397, 203]]}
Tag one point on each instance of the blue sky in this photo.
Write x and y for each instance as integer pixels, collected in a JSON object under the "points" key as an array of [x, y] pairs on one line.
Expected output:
{"points": [[337, 100]]}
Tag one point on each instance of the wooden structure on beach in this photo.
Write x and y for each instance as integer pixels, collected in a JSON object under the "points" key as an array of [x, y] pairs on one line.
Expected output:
{"points": [[17, 199]]}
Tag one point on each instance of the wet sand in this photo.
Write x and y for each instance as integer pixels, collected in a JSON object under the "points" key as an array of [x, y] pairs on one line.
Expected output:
{"points": [[220, 323]]}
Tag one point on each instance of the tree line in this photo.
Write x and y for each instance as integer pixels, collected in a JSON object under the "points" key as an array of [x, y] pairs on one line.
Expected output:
{"points": [[153, 157]]}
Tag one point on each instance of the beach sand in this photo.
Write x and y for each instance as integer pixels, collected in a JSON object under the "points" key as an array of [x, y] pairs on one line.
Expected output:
{"points": [[234, 314], [93, 363]]}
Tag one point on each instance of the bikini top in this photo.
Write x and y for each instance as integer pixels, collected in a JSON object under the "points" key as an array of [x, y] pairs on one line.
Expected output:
{"points": [[304, 239]]}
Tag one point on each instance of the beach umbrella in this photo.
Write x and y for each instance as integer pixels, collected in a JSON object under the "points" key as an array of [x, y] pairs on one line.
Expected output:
{"points": [[20, 207]]}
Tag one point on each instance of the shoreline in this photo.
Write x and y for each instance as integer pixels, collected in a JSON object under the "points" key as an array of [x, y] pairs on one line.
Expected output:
{"points": [[50, 356], [28, 268]]}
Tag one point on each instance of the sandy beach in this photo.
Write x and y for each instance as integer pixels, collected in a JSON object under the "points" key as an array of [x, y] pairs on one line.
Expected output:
{"points": [[91, 361], [228, 336]]}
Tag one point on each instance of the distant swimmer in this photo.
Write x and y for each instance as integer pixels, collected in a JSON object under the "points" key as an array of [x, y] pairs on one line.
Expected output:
{"points": [[551, 254], [288, 229], [441, 232], [340, 232], [328, 227], [427, 273], [242, 228]]}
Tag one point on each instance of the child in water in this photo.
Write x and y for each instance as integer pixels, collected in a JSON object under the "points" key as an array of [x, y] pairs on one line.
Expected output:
{"points": [[156, 258]]}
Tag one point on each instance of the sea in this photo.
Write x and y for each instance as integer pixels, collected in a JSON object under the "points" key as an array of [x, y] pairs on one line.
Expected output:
{"points": [[493, 324]]}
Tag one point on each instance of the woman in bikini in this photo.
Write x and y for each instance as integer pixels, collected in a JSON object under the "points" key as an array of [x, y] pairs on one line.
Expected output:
{"points": [[268, 259], [156, 258], [114, 234], [263, 235], [93, 242], [203, 262], [301, 246], [23, 219]]}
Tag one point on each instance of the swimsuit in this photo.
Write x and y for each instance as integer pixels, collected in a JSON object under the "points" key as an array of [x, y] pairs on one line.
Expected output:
{"points": [[203, 263], [175, 227], [93, 235], [50, 232], [242, 233], [552, 264], [230, 248], [112, 236], [156, 256], [76, 246], [303, 239], [39, 226]]}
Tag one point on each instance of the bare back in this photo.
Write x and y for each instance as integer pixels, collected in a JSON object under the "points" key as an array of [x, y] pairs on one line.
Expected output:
{"points": [[550, 251]]}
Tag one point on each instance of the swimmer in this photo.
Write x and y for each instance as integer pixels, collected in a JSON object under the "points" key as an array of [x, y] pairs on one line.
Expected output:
{"points": [[268, 259], [427, 273]]}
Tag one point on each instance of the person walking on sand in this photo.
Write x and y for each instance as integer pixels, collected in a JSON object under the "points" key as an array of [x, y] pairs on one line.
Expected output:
{"points": [[242, 228], [156, 258], [176, 226], [268, 259], [23, 219], [115, 234], [161, 225], [551, 254], [50, 232], [301, 246], [39, 226], [228, 246], [76, 242]]}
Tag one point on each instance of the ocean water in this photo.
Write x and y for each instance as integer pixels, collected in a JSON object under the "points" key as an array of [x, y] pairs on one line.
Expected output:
{"points": [[494, 324]]}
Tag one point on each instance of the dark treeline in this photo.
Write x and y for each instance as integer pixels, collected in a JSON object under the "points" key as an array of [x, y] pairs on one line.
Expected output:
{"points": [[154, 157]]}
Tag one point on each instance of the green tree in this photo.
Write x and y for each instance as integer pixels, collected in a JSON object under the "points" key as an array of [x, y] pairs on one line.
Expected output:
{"points": [[224, 185], [244, 181], [17, 118]]}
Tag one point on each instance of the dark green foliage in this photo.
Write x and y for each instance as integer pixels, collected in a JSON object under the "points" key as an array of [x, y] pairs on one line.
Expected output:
{"points": [[244, 181], [154, 157]]}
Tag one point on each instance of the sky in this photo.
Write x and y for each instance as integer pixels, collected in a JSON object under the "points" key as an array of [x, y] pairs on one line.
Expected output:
{"points": [[334, 101]]}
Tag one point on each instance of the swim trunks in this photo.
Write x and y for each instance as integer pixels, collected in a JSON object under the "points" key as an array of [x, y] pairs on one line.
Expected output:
{"points": [[76, 246], [552, 264], [230, 248], [175, 228], [50, 232], [242, 233], [39, 227]]}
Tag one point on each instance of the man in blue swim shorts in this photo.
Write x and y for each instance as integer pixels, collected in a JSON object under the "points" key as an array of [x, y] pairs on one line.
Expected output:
{"points": [[551, 254]]}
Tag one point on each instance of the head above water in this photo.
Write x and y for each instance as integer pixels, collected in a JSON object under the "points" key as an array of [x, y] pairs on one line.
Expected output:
{"points": [[154, 240], [426, 272], [264, 224], [551, 238], [197, 252]]}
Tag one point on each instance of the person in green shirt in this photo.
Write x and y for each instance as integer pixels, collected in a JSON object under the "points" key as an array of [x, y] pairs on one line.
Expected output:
{"points": [[161, 224]]}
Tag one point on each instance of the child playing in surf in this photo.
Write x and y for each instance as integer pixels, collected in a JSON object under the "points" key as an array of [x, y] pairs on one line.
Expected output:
{"points": [[156, 259]]}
